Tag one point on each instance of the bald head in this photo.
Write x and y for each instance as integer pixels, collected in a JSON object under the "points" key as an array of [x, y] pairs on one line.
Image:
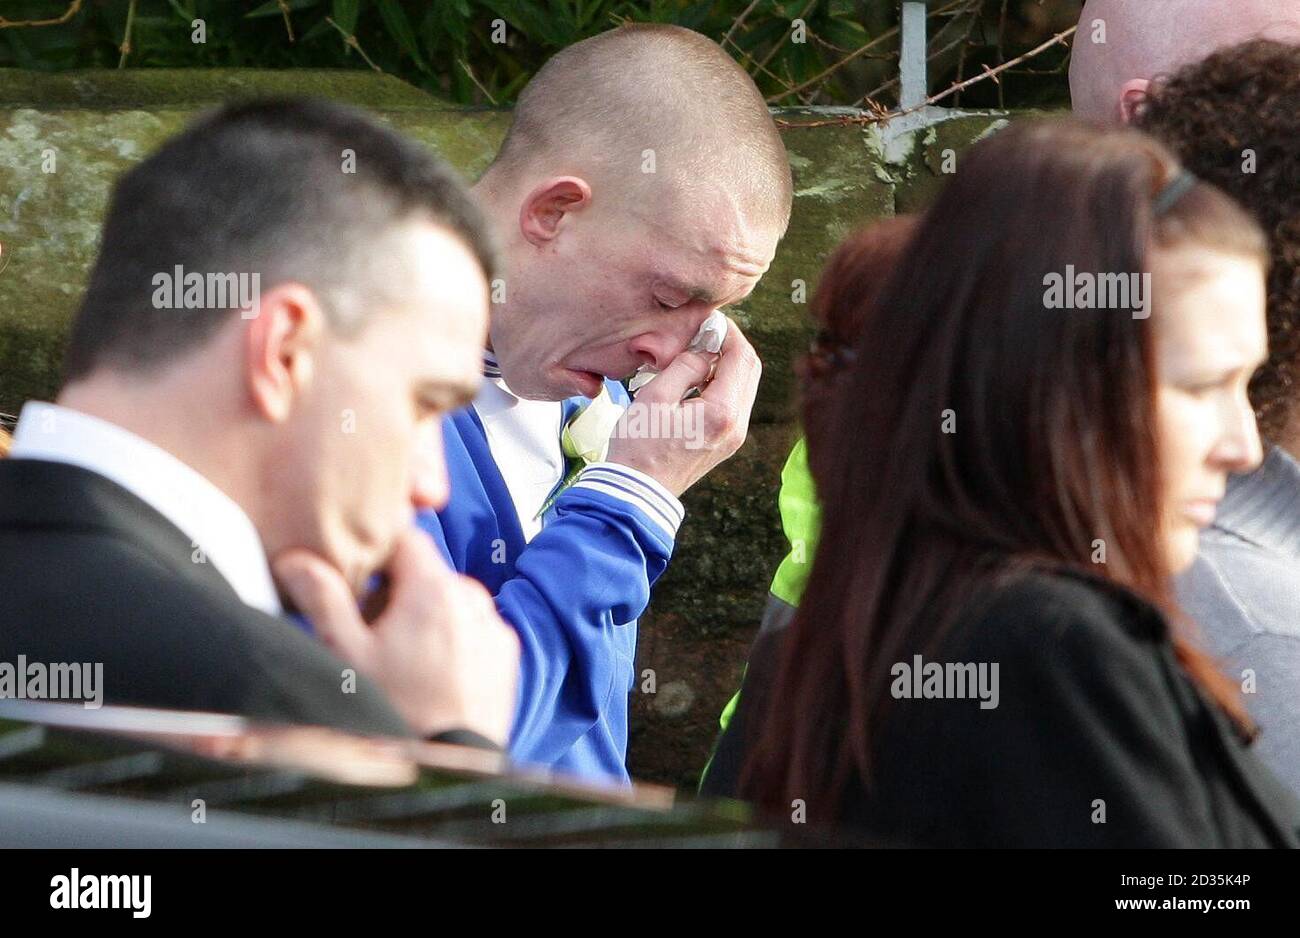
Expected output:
{"points": [[1144, 39], [650, 114]]}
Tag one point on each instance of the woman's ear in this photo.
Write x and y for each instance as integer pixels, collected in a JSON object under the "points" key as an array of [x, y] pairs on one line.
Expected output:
{"points": [[543, 210], [281, 345]]}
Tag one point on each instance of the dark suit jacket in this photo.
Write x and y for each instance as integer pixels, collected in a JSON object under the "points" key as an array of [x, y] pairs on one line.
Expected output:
{"points": [[90, 573], [1095, 718]]}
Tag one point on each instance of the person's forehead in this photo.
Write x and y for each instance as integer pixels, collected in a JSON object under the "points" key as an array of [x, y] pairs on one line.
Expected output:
{"points": [[717, 276], [708, 241], [1212, 302]]}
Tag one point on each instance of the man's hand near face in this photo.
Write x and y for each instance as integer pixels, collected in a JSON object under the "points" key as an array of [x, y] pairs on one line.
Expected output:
{"points": [[721, 424], [438, 649]]}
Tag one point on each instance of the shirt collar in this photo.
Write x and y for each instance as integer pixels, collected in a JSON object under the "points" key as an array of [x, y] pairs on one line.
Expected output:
{"points": [[1263, 506], [214, 522], [494, 391]]}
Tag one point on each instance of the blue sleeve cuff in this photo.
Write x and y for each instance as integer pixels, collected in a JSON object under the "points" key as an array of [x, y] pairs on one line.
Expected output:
{"points": [[637, 489]]}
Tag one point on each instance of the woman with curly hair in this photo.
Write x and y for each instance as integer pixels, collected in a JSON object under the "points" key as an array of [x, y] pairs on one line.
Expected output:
{"points": [[1234, 120]]}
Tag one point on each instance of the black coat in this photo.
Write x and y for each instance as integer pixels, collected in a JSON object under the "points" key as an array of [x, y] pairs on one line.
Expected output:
{"points": [[1095, 718], [90, 573]]}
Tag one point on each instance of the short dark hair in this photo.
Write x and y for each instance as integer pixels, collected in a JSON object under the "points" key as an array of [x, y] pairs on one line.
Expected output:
{"points": [[1247, 97], [290, 189]]}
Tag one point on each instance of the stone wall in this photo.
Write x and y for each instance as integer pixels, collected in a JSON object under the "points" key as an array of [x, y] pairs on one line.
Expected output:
{"points": [[94, 125]]}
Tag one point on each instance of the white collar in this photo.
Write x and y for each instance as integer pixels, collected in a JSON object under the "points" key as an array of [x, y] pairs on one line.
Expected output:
{"points": [[214, 522]]}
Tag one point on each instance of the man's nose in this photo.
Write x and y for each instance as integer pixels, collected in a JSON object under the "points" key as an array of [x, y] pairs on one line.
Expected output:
{"points": [[430, 487], [660, 346]]}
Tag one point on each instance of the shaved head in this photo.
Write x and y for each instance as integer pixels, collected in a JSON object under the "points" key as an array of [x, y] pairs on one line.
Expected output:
{"points": [[1145, 39], [642, 186], [652, 115]]}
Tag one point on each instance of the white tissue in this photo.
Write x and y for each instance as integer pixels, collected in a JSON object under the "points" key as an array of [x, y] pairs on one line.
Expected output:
{"points": [[711, 334], [713, 331]]}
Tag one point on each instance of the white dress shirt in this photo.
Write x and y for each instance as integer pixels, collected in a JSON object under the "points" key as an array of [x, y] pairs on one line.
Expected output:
{"points": [[214, 522], [524, 439]]}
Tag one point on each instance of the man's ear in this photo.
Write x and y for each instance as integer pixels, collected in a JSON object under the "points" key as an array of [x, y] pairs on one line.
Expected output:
{"points": [[544, 209], [1132, 95], [281, 347]]}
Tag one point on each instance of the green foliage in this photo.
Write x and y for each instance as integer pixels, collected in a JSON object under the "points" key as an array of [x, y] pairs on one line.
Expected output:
{"points": [[484, 51]]}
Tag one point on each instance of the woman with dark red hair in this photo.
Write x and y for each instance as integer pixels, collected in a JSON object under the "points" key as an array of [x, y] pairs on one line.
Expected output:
{"points": [[849, 287], [1039, 417]]}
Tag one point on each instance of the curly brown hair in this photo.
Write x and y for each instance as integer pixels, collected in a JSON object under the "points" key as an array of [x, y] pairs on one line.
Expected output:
{"points": [[1243, 103]]}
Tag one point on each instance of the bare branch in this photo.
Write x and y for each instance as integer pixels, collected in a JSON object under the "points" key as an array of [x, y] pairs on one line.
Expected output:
{"points": [[878, 115], [472, 77], [351, 41], [284, 11], [745, 57], [777, 45], [820, 76], [937, 54], [956, 5], [993, 73], [74, 7], [126, 36], [735, 25]]}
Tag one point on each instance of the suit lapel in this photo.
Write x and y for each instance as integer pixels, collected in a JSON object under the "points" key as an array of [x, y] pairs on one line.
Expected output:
{"points": [[40, 495]]}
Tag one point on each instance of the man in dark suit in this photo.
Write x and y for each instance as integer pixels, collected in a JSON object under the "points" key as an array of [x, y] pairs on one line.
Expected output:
{"points": [[287, 300]]}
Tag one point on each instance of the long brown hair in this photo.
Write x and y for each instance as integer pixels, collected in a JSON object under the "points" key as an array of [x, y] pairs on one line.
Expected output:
{"points": [[980, 431], [849, 288]]}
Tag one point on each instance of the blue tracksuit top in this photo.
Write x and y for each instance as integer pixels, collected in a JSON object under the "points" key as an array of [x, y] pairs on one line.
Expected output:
{"points": [[573, 593]]}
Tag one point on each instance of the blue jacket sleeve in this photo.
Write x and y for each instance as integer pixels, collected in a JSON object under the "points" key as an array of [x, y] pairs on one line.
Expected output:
{"points": [[573, 594], [577, 590]]}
